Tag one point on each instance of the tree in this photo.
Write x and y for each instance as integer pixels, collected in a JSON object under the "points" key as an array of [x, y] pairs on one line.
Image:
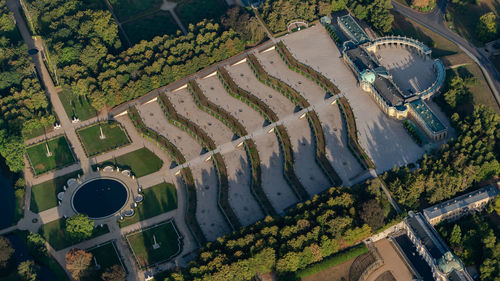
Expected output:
{"points": [[28, 270], [338, 5], [79, 227], [78, 263], [6, 252], [487, 27], [114, 273], [372, 214], [36, 244], [456, 235]]}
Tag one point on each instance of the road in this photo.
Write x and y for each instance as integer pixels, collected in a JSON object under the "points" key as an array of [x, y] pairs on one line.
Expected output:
{"points": [[435, 22]]}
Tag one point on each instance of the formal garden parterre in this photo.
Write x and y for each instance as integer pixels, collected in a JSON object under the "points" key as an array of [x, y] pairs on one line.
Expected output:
{"points": [[102, 137], [155, 244], [50, 155]]}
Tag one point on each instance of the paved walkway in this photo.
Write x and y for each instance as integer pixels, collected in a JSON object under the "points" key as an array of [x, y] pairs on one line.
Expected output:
{"points": [[435, 22]]}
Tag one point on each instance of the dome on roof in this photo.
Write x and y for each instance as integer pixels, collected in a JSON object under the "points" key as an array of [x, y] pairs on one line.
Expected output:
{"points": [[368, 76], [448, 262]]}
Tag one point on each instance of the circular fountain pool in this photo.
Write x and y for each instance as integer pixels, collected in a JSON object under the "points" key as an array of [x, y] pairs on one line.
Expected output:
{"points": [[100, 198]]}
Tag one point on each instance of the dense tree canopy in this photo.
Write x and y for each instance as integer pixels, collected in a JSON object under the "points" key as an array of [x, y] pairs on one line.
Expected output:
{"points": [[245, 24], [474, 240], [114, 273], [277, 14], [472, 156], [308, 233], [23, 104], [375, 12]]}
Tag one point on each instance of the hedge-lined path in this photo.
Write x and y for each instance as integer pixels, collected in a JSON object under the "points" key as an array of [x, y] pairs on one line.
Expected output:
{"points": [[243, 75], [186, 107], [214, 91], [384, 139]]}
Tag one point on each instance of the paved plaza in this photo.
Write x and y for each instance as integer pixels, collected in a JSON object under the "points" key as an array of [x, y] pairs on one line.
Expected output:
{"points": [[384, 139]]}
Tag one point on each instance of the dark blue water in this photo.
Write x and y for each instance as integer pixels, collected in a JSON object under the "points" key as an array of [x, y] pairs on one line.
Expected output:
{"points": [[100, 198], [21, 254], [7, 204]]}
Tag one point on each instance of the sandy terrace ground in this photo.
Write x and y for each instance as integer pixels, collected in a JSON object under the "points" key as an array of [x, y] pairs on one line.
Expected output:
{"points": [[384, 139], [336, 143], [215, 92], [408, 69], [240, 197], [275, 66], [208, 214], [274, 184], [392, 262], [155, 119], [243, 76], [185, 106], [304, 152]]}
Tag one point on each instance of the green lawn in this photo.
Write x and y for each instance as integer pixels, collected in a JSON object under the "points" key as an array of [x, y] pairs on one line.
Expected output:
{"points": [[115, 136], [496, 62], [126, 9], [481, 93], [61, 155], [141, 244], [76, 104], [141, 162], [439, 45], [194, 11], [158, 199], [150, 26], [106, 256], [54, 234], [44, 195], [464, 20]]}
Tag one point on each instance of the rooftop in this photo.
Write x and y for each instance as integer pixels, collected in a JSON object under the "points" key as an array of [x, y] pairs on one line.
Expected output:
{"points": [[430, 119], [387, 91], [353, 29], [427, 236], [460, 202], [361, 59]]}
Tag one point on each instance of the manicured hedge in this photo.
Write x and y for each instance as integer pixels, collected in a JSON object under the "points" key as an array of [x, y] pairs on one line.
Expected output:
{"points": [[412, 131], [153, 136], [197, 133], [333, 35], [276, 83], [289, 171], [192, 221], [352, 134], [333, 260], [265, 111], [253, 156], [306, 70], [187, 176], [185, 124], [234, 90], [256, 186], [295, 97], [321, 159]]}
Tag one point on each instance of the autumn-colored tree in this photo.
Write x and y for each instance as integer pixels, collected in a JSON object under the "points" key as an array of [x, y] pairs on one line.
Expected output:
{"points": [[78, 263], [6, 252], [28, 270], [114, 273]]}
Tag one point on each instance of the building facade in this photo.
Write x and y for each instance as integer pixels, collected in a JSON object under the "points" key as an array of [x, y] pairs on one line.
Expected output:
{"points": [[359, 53], [453, 209]]}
